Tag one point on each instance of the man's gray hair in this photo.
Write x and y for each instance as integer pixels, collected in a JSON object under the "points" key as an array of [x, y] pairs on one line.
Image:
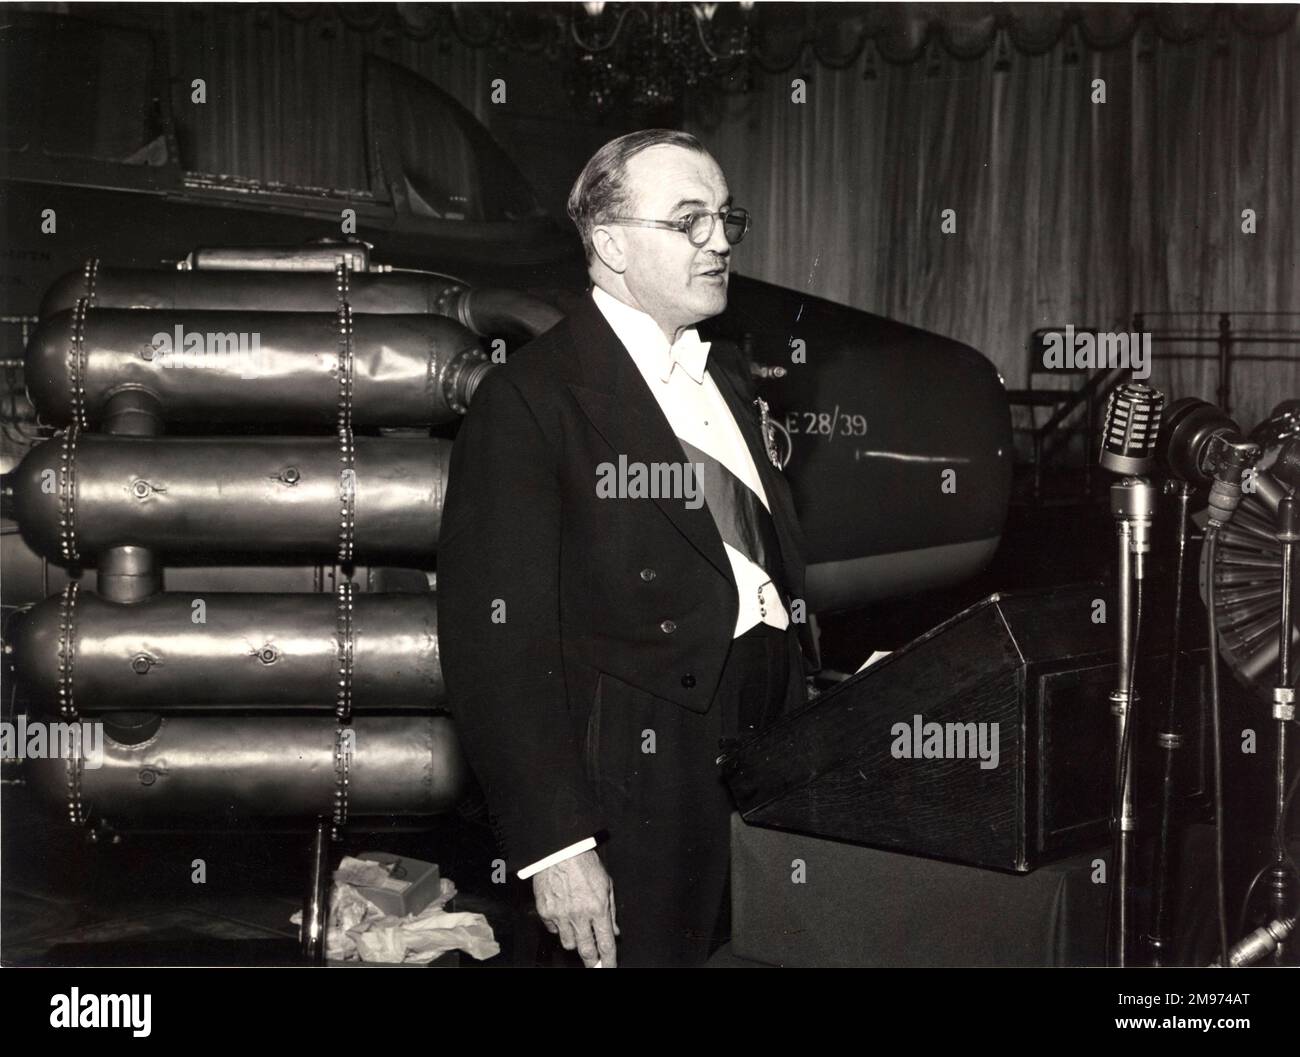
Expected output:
{"points": [[600, 192]]}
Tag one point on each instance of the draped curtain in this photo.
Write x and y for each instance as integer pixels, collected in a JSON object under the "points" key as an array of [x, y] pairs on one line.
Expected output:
{"points": [[285, 95], [1066, 210]]}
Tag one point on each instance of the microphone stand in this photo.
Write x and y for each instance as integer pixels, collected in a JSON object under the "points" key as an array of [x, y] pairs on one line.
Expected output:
{"points": [[1204, 446], [1132, 502], [1283, 713], [1170, 740]]}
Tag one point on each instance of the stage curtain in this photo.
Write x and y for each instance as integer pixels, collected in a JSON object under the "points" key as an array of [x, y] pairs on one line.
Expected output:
{"points": [[285, 96], [1066, 210]]}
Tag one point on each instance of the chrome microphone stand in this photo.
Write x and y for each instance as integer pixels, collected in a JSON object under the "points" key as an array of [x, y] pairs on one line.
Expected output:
{"points": [[1283, 713], [1128, 448], [1203, 446], [1170, 741], [1132, 502]]}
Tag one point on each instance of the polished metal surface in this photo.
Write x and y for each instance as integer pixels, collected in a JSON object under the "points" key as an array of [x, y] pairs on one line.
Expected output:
{"points": [[235, 770], [315, 908], [315, 706], [487, 311], [227, 651], [265, 495], [252, 366], [1248, 570]]}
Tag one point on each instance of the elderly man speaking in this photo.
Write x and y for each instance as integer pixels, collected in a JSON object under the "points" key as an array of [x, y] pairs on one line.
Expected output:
{"points": [[620, 572]]}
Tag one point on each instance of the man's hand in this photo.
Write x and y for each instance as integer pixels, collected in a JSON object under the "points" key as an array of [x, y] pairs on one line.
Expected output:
{"points": [[575, 899]]}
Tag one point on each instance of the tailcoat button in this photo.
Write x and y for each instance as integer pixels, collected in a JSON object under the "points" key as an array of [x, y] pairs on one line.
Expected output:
{"points": [[688, 680], [667, 627], [647, 575]]}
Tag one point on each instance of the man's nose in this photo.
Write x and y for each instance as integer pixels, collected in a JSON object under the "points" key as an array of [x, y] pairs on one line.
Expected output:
{"points": [[718, 243]]}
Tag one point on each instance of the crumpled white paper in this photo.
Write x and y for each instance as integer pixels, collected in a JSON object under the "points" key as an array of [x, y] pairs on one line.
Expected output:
{"points": [[360, 931]]}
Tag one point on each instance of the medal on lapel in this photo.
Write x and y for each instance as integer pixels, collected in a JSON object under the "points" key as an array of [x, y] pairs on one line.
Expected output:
{"points": [[769, 432]]}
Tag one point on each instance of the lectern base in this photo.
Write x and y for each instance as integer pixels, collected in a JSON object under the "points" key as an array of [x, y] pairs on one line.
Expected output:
{"points": [[862, 907]]}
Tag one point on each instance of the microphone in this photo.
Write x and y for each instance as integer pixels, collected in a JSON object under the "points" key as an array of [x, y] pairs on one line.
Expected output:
{"points": [[1203, 446], [1286, 467], [1128, 438], [1128, 446], [1258, 945]]}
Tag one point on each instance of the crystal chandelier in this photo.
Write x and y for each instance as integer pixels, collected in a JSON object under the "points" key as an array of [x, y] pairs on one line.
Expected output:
{"points": [[650, 55]]}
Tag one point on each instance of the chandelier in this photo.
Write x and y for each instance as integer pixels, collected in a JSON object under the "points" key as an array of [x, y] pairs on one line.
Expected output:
{"points": [[645, 56], [651, 55]]}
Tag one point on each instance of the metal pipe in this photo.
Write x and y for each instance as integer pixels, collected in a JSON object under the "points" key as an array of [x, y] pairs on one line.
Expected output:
{"points": [[152, 288], [268, 495], [1261, 657], [322, 256], [315, 909], [1249, 594], [1288, 534], [1121, 703], [1238, 613], [491, 310], [1245, 635], [127, 574], [1245, 535], [1269, 491], [130, 574], [220, 651], [1245, 517], [250, 367], [1170, 741], [1133, 505], [132, 413], [1224, 391], [488, 311], [1225, 577], [229, 771], [1236, 560]]}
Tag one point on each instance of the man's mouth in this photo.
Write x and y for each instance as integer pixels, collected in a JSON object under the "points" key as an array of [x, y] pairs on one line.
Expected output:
{"points": [[719, 272]]}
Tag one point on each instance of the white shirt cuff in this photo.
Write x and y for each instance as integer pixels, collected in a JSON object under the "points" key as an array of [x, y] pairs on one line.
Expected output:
{"points": [[559, 856]]}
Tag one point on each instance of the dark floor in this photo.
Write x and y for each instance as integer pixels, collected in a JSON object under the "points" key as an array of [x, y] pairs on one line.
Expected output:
{"points": [[67, 900], [64, 894]]}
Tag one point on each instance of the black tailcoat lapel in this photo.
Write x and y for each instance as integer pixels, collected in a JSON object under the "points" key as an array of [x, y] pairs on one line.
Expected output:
{"points": [[621, 406], [615, 398]]}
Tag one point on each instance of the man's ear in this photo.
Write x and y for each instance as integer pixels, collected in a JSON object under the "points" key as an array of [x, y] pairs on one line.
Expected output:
{"points": [[607, 242]]}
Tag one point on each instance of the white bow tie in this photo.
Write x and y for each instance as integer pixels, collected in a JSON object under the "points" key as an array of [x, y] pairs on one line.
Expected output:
{"points": [[690, 354]]}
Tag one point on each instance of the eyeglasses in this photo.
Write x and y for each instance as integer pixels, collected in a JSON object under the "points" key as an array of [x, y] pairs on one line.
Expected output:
{"points": [[698, 227]]}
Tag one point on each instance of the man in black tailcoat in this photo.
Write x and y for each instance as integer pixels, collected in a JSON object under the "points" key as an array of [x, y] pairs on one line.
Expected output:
{"points": [[620, 572]]}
